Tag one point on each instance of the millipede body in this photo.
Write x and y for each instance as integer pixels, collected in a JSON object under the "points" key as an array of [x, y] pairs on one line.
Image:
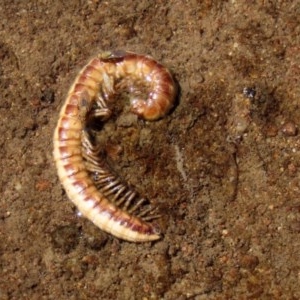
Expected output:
{"points": [[98, 193]]}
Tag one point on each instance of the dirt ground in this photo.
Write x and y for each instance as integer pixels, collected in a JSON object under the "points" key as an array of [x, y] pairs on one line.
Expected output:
{"points": [[222, 167]]}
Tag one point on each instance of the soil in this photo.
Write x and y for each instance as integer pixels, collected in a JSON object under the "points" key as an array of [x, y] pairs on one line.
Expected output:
{"points": [[223, 167]]}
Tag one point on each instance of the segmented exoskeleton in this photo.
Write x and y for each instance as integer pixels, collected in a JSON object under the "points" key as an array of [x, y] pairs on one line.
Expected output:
{"points": [[99, 194]]}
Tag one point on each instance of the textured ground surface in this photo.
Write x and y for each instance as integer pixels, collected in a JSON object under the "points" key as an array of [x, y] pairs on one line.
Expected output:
{"points": [[230, 205]]}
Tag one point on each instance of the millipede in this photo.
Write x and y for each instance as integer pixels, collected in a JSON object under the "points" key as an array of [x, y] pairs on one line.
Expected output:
{"points": [[97, 192]]}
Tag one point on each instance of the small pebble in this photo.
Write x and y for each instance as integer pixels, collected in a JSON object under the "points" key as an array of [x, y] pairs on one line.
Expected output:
{"points": [[271, 130], [48, 96], [249, 262], [292, 169], [289, 129]]}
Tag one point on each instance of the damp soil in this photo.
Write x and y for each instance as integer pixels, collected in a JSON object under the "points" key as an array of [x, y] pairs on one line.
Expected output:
{"points": [[223, 167]]}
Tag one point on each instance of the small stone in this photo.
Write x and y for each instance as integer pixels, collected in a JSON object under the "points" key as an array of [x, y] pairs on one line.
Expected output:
{"points": [[289, 129], [90, 260], [292, 169], [48, 96], [248, 262], [271, 130]]}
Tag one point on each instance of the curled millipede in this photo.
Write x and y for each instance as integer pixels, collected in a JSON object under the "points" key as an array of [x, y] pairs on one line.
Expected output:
{"points": [[89, 183]]}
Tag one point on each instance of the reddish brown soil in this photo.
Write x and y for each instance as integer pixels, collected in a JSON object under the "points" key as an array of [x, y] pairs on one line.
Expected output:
{"points": [[230, 206]]}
